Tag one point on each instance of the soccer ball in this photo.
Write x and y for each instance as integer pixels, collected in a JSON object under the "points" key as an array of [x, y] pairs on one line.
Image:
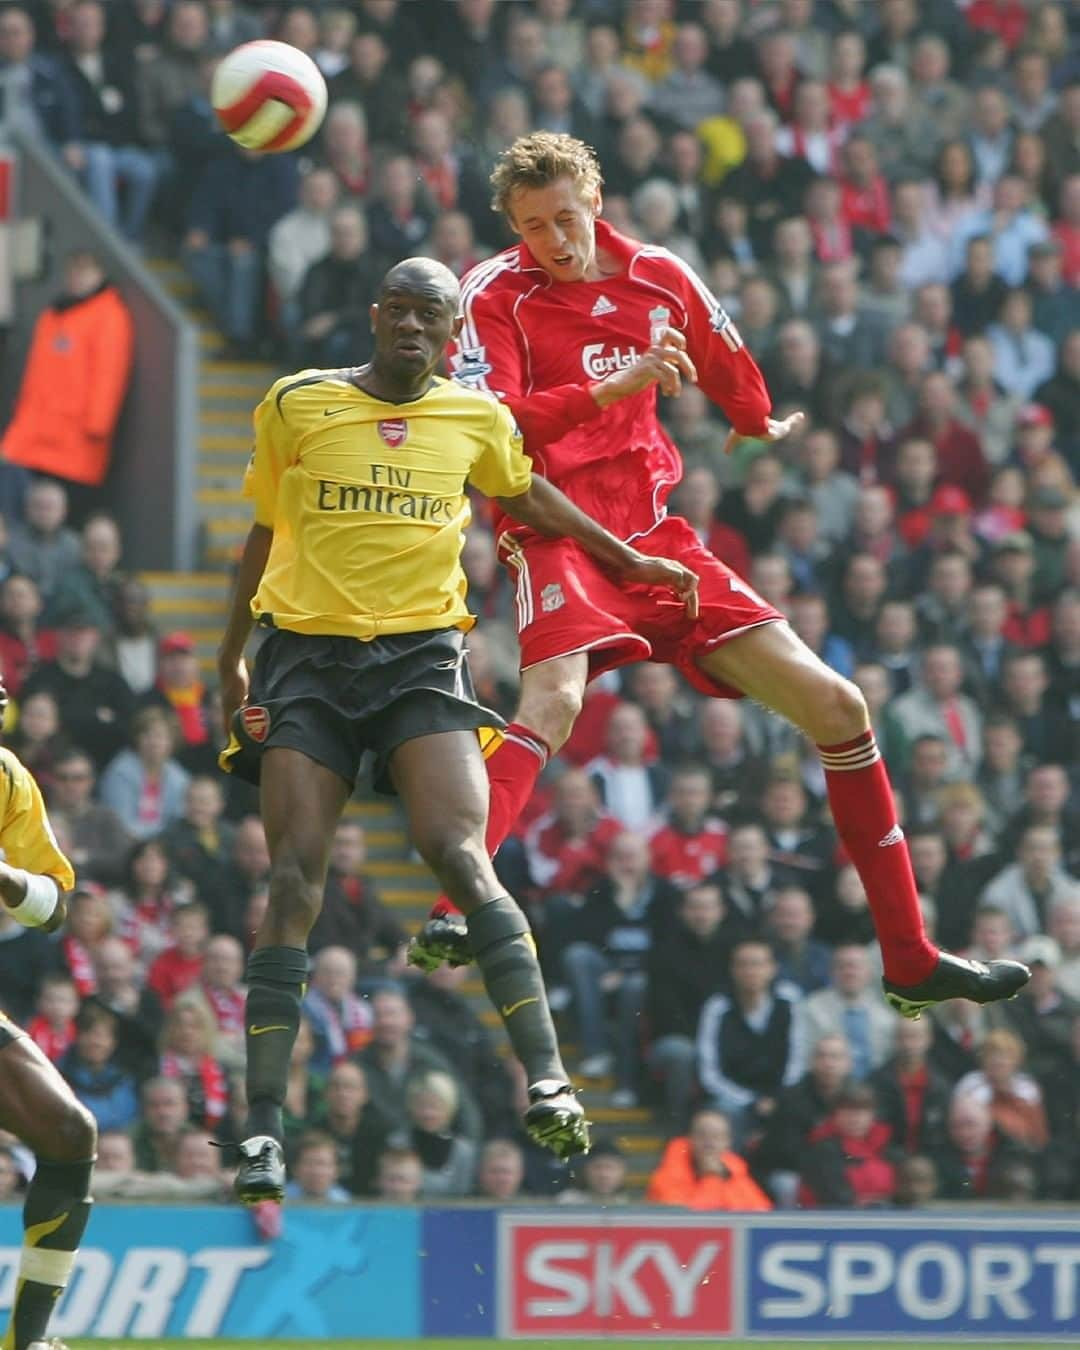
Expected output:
{"points": [[269, 96]]}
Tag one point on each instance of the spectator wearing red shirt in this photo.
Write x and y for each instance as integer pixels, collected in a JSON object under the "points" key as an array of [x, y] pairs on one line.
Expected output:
{"points": [[973, 1153], [693, 844], [180, 965], [913, 1098], [52, 1029], [567, 847], [849, 91], [1007, 19], [1067, 230], [847, 1165], [915, 476], [960, 459], [22, 643], [1013, 562], [864, 202]]}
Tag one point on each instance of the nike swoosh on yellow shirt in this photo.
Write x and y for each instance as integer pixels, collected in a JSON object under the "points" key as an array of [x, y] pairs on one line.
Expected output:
{"points": [[509, 1012], [258, 1031]]}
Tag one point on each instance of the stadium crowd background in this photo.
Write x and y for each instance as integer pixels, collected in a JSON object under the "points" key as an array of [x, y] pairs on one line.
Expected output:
{"points": [[886, 197]]}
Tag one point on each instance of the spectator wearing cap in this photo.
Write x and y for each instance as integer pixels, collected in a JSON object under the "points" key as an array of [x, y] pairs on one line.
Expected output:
{"points": [[848, 1163], [145, 785], [93, 585], [1024, 358], [95, 703], [1013, 568], [1034, 450], [180, 689], [1043, 1018], [600, 1178], [700, 1171]]}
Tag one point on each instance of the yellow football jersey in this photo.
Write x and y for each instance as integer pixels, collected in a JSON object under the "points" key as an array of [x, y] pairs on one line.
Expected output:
{"points": [[26, 836], [367, 502]]}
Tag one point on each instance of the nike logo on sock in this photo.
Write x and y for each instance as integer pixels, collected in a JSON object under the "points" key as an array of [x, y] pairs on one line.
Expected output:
{"points": [[259, 1031], [895, 836], [509, 1012]]}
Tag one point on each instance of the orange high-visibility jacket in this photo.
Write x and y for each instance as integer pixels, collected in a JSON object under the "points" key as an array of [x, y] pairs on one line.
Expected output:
{"points": [[676, 1182], [72, 389]]}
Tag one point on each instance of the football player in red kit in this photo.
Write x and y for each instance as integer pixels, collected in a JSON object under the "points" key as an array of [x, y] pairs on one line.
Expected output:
{"points": [[574, 328]]}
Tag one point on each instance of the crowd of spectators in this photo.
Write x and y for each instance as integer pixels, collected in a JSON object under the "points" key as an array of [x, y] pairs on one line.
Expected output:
{"points": [[886, 198]]}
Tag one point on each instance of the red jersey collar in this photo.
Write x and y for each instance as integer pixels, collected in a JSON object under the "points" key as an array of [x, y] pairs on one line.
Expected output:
{"points": [[610, 240]]}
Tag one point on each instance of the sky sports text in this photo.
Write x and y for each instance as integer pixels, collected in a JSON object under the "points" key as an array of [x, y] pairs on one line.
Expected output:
{"points": [[977, 1280]]}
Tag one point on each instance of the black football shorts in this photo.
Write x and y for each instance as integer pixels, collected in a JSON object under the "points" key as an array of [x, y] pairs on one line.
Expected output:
{"points": [[334, 698]]}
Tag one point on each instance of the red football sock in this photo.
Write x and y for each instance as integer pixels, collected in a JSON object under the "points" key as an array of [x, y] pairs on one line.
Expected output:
{"points": [[865, 816], [512, 773]]}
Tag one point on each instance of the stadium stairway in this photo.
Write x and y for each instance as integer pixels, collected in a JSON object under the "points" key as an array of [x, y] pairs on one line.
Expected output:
{"points": [[196, 603]]}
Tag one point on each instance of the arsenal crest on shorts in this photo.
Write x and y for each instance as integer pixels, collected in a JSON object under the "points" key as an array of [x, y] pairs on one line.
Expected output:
{"points": [[256, 721], [393, 431]]}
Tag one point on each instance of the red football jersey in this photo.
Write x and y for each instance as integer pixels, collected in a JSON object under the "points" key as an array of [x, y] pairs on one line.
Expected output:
{"points": [[540, 345]]}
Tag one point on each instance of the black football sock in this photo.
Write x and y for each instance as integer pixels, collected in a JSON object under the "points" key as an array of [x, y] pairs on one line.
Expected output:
{"points": [[55, 1214], [506, 954], [276, 979]]}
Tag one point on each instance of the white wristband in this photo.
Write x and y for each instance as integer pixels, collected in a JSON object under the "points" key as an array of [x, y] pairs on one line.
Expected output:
{"points": [[39, 906]]}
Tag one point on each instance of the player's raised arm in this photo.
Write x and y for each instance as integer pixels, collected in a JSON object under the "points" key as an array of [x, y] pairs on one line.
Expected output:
{"points": [[728, 373]]}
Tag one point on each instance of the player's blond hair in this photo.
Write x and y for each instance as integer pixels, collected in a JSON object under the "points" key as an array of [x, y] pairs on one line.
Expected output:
{"points": [[541, 158]]}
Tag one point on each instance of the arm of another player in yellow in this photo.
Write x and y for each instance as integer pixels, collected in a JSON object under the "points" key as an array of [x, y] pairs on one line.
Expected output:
{"points": [[505, 472], [29, 845]]}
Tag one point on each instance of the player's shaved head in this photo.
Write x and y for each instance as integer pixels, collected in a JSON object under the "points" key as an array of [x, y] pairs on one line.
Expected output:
{"points": [[423, 274]]}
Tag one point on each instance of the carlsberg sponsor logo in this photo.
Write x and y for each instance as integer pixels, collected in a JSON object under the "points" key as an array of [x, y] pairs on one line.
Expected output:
{"points": [[599, 360]]}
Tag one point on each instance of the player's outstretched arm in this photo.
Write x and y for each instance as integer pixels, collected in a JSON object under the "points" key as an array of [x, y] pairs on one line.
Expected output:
{"points": [[774, 431], [232, 669], [548, 511]]}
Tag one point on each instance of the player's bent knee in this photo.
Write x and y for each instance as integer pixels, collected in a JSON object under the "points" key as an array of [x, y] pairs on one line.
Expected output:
{"points": [[839, 713], [551, 713]]}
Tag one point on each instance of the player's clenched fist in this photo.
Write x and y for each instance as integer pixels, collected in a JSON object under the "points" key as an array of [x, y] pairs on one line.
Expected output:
{"points": [[666, 363]]}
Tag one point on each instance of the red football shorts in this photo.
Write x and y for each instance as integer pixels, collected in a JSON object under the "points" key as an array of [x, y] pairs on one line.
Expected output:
{"points": [[567, 603]]}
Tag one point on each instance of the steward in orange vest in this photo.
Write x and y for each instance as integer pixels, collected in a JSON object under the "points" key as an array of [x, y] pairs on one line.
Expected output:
{"points": [[75, 379]]}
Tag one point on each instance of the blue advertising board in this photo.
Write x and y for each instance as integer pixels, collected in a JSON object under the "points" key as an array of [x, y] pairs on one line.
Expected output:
{"points": [[980, 1277], [156, 1271]]}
